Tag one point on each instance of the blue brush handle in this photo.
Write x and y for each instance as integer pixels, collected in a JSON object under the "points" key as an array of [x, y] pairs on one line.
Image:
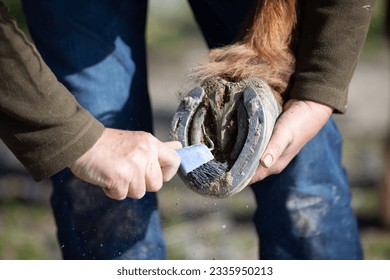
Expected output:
{"points": [[193, 157]]}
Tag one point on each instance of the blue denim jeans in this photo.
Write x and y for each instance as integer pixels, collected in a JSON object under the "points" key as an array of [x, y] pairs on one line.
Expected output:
{"points": [[305, 212], [97, 49]]}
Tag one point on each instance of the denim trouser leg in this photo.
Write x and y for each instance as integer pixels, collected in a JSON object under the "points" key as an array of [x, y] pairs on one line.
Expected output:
{"points": [[97, 49], [305, 212]]}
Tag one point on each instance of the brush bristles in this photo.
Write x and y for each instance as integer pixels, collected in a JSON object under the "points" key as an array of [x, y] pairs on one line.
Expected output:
{"points": [[207, 173]]}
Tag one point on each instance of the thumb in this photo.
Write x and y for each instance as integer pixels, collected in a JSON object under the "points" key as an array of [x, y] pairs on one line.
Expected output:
{"points": [[280, 140]]}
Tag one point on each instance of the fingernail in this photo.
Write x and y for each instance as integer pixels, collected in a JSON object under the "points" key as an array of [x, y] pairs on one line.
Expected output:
{"points": [[267, 160]]}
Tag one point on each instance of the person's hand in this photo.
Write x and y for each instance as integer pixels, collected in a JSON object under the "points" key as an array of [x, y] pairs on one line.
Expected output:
{"points": [[128, 163], [299, 122]]}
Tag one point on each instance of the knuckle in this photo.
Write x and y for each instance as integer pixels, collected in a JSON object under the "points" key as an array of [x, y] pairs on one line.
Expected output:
{"points": [[136, 190], [155, 187], [137, 194], [148, 138], [146, 147], [115, 192]]}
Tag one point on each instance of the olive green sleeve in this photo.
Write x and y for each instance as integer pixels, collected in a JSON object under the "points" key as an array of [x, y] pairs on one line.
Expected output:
{"points": [[331, 36], [40, 121]]}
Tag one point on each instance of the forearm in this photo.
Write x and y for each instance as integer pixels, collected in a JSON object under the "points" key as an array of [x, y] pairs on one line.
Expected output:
{"points": [[40, 121], [331, 35]]}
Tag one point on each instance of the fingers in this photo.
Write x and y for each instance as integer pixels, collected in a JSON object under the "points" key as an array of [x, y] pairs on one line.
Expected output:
{"points": [[153, 176], [278, 143], [155, 163], [270, 162], [117, 193], [159, 166], [133, 185], [168, 159], [118, 189], [298, 124]]}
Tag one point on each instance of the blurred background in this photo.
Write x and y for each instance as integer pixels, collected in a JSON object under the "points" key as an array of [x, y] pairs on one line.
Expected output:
{"points": [[200, 228]]}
